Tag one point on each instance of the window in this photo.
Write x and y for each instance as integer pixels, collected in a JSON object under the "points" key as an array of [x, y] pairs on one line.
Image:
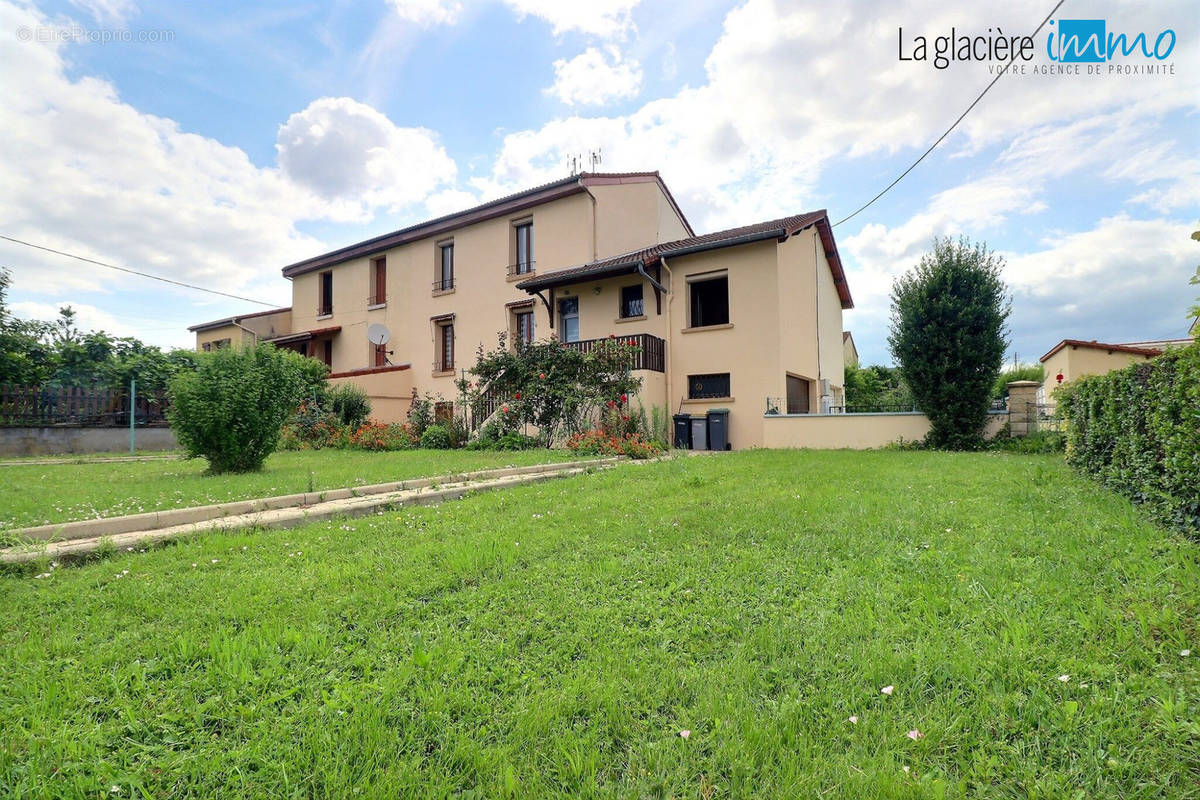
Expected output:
{"points": [[206, 347], [325, 296], [380, 354], [445, 279], [631, 301], [568, 315], [710, 302], [378, 282], [523, 327], [524, 234], [327, 352], [704, 386], [445, 354], [218, 344]]}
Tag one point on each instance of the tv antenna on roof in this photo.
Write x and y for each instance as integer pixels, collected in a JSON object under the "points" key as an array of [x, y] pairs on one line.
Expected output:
{"points": [[576, 161], [379, 335]]}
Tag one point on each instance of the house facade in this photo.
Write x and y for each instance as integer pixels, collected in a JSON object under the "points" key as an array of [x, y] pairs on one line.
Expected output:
{"points": [[734, 319], [1072, 359]]}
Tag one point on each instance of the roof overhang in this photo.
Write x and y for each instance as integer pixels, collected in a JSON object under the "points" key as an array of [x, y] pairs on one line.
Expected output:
{"points": [[221, 323], [553, 280], [1148, 352], [576, 184], [304, 336]]}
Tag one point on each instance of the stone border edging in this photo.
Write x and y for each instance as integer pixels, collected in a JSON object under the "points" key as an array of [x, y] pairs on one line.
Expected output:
{"points": [[292, 516], [153, 520]]}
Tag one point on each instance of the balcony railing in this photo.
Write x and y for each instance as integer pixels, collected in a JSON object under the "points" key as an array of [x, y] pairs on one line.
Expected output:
{"points": [[521, 268], [377, 300], [325, 310], [443, 284], [652, 353]]}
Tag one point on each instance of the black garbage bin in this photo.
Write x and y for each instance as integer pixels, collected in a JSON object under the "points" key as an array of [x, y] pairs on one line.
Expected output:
{"points": [[718, 429], [683, 431]]}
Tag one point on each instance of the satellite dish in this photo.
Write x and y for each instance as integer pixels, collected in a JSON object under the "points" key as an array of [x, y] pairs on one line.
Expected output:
{"points": [[378, 334]]}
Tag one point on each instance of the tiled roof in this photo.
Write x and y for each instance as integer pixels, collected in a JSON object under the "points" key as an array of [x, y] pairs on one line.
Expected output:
{"points": [[779, 229], [1149, 352], [526, 198]]}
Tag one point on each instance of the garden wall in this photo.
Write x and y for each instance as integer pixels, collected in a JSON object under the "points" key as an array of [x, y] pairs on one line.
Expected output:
{"points": [[854, 431], [1137, 431], [390, 390], [62, 439]]}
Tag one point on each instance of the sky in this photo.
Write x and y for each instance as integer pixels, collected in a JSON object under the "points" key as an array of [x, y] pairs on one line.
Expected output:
{"points": [[214, 143]]}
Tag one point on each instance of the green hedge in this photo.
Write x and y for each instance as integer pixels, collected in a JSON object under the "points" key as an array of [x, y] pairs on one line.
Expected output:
{"points": [[1137, 430]]}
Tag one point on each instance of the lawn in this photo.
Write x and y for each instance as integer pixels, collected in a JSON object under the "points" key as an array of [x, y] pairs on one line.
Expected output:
{"points": [[41, 494], [557, 640]]}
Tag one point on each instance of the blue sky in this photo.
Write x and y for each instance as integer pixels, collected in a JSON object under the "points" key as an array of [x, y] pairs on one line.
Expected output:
{"points": [[255, 135]]}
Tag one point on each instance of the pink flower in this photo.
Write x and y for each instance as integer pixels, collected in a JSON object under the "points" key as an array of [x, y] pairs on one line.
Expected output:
{"points": [[853, 720], [542, 375], [684, 734], [887, 689], [505, 409], [915, 734]]}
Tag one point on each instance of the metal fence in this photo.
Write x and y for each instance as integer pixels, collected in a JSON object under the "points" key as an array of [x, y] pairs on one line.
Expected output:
{"points": [[75, 405]]}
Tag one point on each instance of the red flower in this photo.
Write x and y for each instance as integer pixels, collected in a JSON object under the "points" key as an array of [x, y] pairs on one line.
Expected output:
{"points": [[518, 395], [542, 375], [612, 336], [625, 418], [505, 409], [611, 404], [624, 398]]}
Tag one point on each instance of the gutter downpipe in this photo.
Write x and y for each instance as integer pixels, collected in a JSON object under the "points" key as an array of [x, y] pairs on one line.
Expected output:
{"points": [[669, 366]]}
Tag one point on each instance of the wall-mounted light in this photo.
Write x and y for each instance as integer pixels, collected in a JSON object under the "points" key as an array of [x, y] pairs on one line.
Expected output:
{"points": [[596, 290]]}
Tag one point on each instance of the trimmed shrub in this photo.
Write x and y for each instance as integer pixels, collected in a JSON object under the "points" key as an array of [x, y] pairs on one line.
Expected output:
{"points": [[349, 403], [1137, 431], [231, 410], [436, 437], [948, 334]]}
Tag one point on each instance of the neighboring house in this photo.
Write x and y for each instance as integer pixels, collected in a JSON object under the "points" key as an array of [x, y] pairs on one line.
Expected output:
{"points": [[246, 329], [1073, 358], [725, 319], [849, 351]]}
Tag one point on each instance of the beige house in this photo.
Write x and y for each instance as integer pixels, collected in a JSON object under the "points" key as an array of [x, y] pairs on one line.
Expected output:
{"points": [[738, 319], [849, 351], [1074, 358]]}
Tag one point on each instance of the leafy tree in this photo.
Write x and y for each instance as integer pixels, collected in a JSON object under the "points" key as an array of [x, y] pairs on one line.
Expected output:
{"points": [[556, 388], [231, 409], [948, 334], [26, 358], [876, 388]]}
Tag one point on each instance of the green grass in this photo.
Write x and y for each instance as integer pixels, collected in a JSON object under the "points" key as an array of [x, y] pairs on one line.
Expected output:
{"points": [[42, 494], [553, 640]]}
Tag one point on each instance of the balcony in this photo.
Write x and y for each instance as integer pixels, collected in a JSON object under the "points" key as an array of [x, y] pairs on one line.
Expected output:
{"points": [[443, 285], [652, 353], [521, 269]]}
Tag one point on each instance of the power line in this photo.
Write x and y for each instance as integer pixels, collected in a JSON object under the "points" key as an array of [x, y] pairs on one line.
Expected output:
{"points": [[135, 272], [961, 117]]}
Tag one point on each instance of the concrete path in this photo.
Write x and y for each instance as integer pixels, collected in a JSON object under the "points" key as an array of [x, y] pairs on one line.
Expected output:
{"points": [[87, 536]]}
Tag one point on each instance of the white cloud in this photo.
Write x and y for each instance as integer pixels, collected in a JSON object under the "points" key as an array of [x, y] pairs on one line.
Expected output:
{"points": [[791, 87], [354, 157], [428, 12], [595, 77], [87, 173], [87, 317], [108, 12], [604, 18]]}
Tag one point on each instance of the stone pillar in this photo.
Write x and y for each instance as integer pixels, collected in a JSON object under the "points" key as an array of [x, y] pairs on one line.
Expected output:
{"points": [[1022, 407]]}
